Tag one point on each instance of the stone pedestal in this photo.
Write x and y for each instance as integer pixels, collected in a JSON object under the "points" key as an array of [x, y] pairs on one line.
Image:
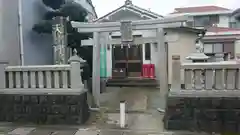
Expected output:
{"points": [[219, 57], [197, 57]]}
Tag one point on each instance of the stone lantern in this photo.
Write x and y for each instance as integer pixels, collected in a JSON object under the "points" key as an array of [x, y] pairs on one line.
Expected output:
{"points": [[198, 56]]}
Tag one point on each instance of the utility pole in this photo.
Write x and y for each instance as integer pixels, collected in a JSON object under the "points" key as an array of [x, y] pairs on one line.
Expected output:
{"points": [[61, 52]]}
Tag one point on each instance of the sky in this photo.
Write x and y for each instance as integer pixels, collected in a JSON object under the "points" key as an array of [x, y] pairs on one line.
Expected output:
{"points": [[161, 7]]}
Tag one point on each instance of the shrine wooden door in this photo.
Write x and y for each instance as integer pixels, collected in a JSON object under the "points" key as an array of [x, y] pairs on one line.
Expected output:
{"points": [[128, 60]]}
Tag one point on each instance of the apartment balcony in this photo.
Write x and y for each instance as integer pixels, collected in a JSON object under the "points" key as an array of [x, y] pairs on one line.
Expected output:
{"points": [[203, 26], [87, 5]]}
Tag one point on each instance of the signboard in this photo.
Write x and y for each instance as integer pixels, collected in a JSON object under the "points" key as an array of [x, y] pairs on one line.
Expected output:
{"points": [[126, 31]]}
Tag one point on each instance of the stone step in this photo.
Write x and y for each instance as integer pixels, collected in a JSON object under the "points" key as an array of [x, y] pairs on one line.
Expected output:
{"points": [[127, 82], [120, 132], [74, 131], [132, 85], [81, 131]]}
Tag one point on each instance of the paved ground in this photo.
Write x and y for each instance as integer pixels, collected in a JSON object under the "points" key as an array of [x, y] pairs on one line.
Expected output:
{"points": [[142, 119], [141, 104]]}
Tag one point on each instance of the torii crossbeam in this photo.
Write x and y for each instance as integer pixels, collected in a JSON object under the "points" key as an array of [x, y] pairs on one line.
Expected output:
{"points": [[106, 27], [172, 22]]}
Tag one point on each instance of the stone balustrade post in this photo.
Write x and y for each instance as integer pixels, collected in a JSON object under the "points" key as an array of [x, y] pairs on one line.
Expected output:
{"points": [[75, 72], [176, 73]]}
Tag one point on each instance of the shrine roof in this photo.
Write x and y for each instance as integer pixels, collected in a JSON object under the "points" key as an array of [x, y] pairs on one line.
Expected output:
{"points": [[129, 5]]}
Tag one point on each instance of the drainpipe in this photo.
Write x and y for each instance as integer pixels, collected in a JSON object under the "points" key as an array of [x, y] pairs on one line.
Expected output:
{"points": [[20, 31]]}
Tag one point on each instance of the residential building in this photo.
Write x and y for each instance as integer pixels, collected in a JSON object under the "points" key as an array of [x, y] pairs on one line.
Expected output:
{"points": [[206, 16], [30, 47], [222, 25], [235, 19]]}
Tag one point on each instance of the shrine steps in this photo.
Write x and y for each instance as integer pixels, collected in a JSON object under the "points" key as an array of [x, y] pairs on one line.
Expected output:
{"points": [[132, 82]]}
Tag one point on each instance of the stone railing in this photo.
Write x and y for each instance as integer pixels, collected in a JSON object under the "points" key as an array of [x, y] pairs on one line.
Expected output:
{"points": [[44, 79], [215, 79]]}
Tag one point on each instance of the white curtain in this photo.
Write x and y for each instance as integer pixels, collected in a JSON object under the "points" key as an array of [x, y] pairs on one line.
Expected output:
{"points": [[213, 48], [218, 48], [208, 48]]}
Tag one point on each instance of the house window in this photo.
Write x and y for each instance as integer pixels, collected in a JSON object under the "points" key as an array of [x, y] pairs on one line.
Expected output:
{"points": [[202, 21], [213, 48], [234, 24], [137, 36], [148, 51], [217, 48], [214, 19], [208, 48], [116, 37]]}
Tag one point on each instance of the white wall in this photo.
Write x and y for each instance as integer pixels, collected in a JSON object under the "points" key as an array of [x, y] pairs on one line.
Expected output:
{"points": [[38, 48], [1, 43], [149, 33], [9, 44], [224, 21]]}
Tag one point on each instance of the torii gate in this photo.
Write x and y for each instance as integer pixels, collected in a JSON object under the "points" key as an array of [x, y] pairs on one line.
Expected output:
{"points": [[126, 28]]}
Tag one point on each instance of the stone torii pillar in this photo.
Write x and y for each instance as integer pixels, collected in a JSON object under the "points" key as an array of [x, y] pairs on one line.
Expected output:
{"points": [[158, 25]]}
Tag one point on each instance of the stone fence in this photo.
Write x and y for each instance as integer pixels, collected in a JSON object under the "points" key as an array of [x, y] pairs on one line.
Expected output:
{"points": [[42, 79], [205, 79], [208, 101]]}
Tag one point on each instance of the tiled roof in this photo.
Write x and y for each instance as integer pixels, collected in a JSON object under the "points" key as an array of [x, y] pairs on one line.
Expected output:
{"points": [[199, 9], [135, 8]]}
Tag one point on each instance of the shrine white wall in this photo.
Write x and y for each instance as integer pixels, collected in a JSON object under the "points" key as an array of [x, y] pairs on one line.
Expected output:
{"points": [[183, 45], [179, 43]]}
